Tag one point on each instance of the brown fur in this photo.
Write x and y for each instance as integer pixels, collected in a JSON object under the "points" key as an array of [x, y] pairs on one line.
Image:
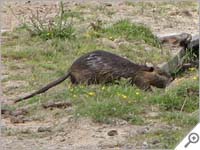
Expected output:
{"points": [[144, 80], [101, 67]]}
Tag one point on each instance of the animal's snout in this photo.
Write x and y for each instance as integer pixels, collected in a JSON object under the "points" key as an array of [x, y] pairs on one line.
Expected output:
{"points": [[169, 81], [172, 79]]}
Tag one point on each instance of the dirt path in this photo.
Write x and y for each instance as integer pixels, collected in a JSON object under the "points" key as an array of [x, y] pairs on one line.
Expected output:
{"points": [[76, 134], [174, 20]]}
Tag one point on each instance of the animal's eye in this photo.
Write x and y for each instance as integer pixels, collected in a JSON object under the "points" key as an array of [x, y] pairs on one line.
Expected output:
{"points": [[151, 69], [164, 74]]}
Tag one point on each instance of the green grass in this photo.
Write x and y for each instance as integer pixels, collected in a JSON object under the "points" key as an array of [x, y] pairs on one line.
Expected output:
{"points": [[130, 31], [167, 139], [181, 119], [107, 103], [175, 97]]}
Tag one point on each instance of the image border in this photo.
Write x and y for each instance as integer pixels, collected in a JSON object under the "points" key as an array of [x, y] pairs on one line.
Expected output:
{"points": [[1, 67]]}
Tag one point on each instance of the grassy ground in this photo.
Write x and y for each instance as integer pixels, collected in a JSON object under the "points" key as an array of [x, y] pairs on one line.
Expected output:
{"points": [[39, 56]]}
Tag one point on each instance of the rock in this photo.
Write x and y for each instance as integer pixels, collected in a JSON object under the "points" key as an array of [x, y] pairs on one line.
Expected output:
{"points": [[112, 132], [121, 42], [57, 105], [108, 4], [156, 141], [109, 144], [18, 119], [19, 112], [28, 2], [153, 114], [174, 13], [26, 131], [44, 129], [108, 43], [148, 49], [76, 4], [145, 144], [143, 130], [62, 139], [5, 111], [186, 13], [125, 43]]}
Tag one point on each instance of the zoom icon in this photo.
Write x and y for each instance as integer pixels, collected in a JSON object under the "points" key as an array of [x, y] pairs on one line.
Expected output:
{"points": [[192, 138]]}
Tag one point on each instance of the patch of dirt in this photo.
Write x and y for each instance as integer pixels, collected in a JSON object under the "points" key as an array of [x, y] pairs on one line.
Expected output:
{"points": [[164, 20], [69, 133]]}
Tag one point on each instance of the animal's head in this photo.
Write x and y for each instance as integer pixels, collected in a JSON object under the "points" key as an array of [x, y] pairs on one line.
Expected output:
{"points": [[159, 78], [155, 77]]}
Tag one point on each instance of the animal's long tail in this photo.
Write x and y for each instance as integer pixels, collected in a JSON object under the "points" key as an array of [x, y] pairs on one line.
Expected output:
{"points": [[45, 88]]}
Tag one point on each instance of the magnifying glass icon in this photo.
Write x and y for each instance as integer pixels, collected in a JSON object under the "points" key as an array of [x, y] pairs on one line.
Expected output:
{"points": [[192, 138]]}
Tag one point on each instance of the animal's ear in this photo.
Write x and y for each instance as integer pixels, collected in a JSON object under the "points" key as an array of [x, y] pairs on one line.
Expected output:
{"points": [[151, 69]]}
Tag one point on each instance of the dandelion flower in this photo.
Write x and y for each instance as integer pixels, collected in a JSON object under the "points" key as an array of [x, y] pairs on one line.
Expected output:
{"points": [[111, 38], [137, 93], [91, 93], [124, 96], [192, 69], [195, 78], [103, 88]]}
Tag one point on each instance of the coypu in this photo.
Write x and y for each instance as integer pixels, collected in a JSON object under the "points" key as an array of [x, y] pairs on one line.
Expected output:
{"points": [[182, 39], [104, 67]]}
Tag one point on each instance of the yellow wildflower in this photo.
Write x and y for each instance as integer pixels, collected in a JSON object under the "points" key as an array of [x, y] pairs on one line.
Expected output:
{"points": [[137, 93], [195, 78], [111, 38], [91, 93], [192, 69], [124, 96], [103, 88]]}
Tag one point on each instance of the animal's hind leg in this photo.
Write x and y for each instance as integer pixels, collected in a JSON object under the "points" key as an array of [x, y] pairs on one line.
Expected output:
{"points": [[140, 83], [73, 80]]}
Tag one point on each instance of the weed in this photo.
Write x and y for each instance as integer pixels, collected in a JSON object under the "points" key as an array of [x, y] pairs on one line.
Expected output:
{"points": [[58, 27], [190, 56]]}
